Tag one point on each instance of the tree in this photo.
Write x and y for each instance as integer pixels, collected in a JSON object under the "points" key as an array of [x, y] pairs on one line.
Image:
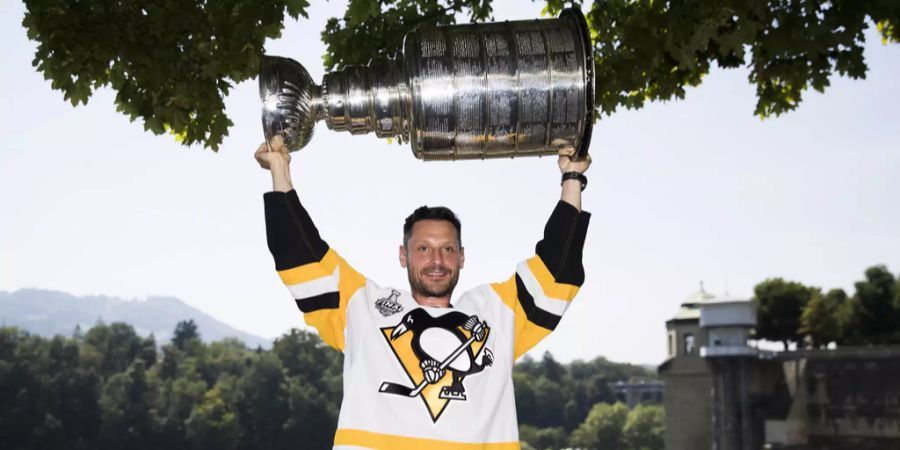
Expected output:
{"points": [[72, 393], [126, 404], [211, 424], [874, 317], [779, 304], [312, 415], [543, 438], [550, 368], [302, 352], [645, 428], [823, 316], [263, 403], [23, 367], [177, 399], [551, 403], [112, 348], [171, 62], [185, 331], [602, 429]]}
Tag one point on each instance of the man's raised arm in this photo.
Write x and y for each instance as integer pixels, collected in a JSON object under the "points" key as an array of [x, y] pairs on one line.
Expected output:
{"points": [[320, 281], [543, 286]]}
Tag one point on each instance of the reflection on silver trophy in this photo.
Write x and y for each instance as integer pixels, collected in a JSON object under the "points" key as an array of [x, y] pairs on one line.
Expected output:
{"points": [[470, 91]]}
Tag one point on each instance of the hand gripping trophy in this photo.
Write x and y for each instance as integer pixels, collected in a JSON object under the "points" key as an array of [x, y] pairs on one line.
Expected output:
{"points": [[474, 91]]}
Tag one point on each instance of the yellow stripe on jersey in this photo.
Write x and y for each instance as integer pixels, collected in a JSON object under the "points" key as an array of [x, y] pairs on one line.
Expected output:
{"points": [[527, 334], [329, 322], [311, 271], [381, 441], [561, 291]]}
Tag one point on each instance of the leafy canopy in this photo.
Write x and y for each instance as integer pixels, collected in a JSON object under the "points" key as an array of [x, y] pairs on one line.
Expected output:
{"points": [[171, 62], [779, 306]]}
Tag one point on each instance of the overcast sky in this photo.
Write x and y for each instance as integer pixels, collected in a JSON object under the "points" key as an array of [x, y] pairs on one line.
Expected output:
{"points": [[684, 191]]}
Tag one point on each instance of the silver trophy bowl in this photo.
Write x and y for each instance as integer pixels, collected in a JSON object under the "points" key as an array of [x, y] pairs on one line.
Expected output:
{"points": [[474, 91]]}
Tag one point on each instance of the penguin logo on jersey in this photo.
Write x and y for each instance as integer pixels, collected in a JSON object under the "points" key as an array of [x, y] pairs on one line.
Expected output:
{"points": [[437, 353], [389, 306]]}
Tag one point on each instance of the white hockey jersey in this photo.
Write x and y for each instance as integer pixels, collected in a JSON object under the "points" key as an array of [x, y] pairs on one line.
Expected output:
{"points": [[391, 344]]}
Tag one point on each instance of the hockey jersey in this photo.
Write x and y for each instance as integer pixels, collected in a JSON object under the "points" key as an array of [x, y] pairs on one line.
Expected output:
{"points": [[418, 377]]}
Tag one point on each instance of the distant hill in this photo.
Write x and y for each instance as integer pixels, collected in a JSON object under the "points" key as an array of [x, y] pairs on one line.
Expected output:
{"points": [[49, 313]]}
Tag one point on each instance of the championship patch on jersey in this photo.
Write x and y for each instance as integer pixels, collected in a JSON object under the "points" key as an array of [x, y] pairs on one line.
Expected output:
{"points": [[389, 306], [437, 354]]}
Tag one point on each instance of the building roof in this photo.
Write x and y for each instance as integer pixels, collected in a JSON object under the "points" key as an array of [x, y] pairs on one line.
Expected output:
{"points": [[690, 307], [698, 297]]}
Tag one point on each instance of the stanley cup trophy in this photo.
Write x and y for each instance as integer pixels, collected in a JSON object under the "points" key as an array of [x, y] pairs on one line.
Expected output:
{"points": [[475, 91]]}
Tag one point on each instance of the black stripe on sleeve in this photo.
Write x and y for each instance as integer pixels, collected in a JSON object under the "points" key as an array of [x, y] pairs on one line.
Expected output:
{"points": [[534, 314], [328, 300], [292, 237], [563, 243]]}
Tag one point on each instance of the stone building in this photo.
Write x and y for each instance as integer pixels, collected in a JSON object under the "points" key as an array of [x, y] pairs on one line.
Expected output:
{"points": [[723, 393], [688, 379]]}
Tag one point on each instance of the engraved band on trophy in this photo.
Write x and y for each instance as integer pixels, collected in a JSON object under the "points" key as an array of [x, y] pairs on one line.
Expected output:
{"points": [[474, 91]]}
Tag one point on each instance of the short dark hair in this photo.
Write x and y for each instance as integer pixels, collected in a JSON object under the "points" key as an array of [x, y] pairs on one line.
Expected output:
{"points": [[431, 213]]}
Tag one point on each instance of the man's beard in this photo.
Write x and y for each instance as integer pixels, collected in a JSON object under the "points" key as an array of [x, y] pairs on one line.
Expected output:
{"points": [[418, 286]]}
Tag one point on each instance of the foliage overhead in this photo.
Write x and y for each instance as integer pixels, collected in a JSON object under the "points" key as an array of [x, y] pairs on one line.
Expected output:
{"points": [[171, 62]]}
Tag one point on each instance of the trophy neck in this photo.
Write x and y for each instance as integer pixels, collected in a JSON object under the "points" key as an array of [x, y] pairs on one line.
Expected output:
{"points": [[364, 99]]}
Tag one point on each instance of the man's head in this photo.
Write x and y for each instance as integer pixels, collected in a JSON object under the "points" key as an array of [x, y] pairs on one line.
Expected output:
{"points": [[432, 253]]}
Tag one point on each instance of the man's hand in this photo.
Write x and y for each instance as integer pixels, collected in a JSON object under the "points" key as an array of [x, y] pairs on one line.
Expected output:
{"points": [[277, 155], [571, 189], [275, 158], [567, 164]]}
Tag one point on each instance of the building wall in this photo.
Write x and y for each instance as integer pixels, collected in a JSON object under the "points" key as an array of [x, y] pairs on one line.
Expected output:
{"points": [[730, 314], [688, 403], [681, 331], [845, 399], [854, 399]]}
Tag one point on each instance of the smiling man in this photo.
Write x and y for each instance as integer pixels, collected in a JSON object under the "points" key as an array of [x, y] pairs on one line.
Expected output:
{"points": [[421, 371], [432, 254]]}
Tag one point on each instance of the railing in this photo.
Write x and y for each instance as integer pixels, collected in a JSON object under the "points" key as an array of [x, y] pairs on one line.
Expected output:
{"points": [[730, 350]]}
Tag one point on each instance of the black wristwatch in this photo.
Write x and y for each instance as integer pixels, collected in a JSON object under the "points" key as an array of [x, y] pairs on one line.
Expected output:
{"points": [[575, 176]]}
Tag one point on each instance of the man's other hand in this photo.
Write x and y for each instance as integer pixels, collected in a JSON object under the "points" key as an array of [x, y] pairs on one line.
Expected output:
{"points": [[567, 164], [272, 154], [275, 158]]}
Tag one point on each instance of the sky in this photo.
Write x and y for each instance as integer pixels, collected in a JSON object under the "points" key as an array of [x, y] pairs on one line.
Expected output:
{"points": [[681, 192]]}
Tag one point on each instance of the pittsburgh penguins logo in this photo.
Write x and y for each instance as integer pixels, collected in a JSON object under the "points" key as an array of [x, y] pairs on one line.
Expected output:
{"points": [[437, 353]]}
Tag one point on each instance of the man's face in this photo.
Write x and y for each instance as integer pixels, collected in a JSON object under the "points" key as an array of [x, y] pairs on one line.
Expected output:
{"points": [[432, 258]]}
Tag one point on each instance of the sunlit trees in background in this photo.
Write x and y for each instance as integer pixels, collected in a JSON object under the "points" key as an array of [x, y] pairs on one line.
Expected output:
{"points": [[790, 312], [109, 388]]}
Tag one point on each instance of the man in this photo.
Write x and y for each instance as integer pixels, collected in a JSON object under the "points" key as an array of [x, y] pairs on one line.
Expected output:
{"points": [[420, 371]]}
